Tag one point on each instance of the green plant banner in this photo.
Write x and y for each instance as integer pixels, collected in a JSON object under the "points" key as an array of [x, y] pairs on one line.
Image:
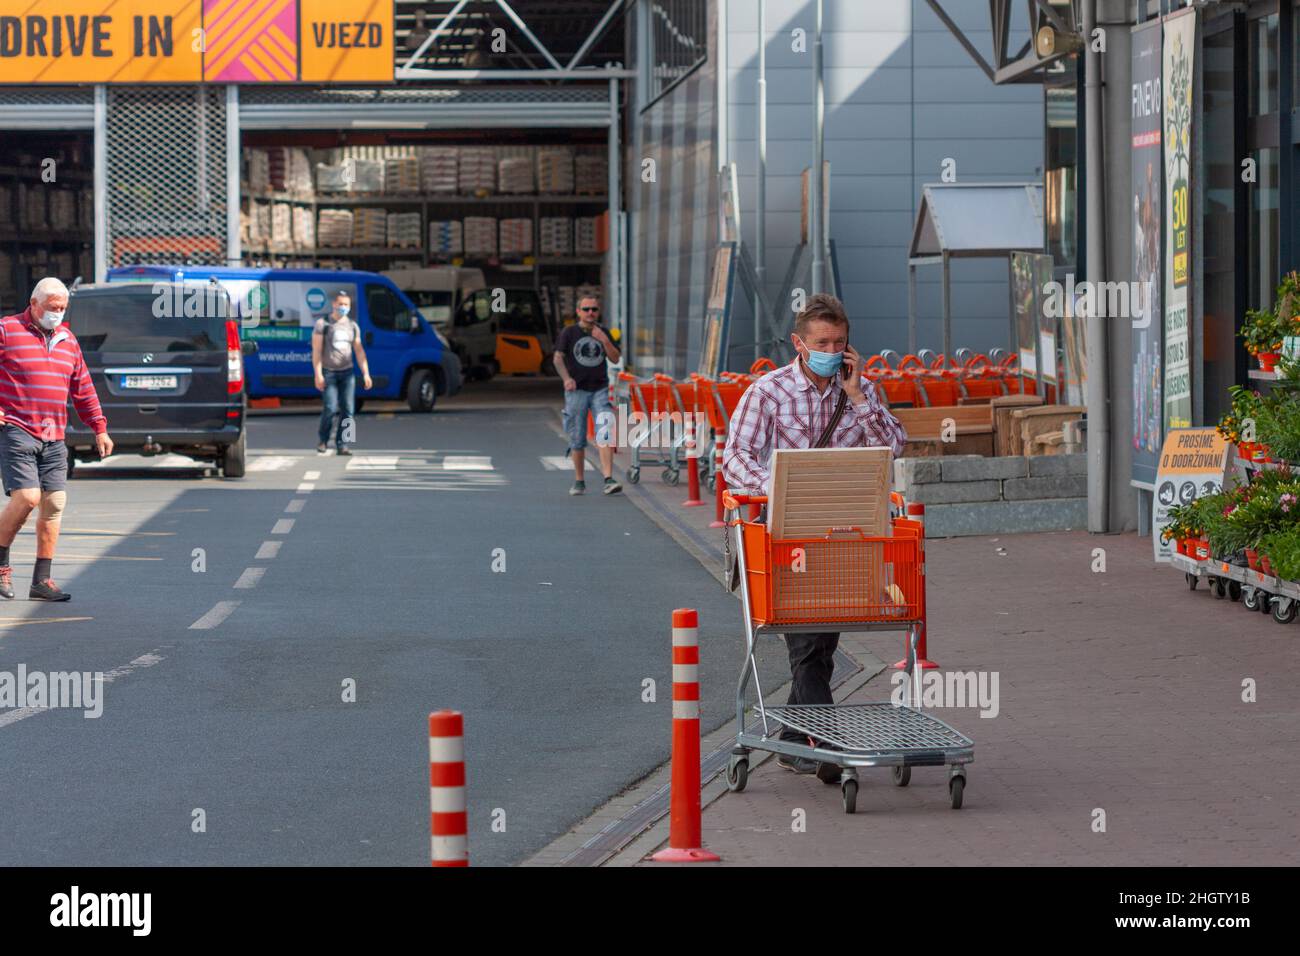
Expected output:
{"points": [[1148, 216], [1179, 47]]}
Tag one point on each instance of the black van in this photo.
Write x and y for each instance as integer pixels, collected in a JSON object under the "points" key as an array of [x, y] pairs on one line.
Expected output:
{"points": [[167, 364]]}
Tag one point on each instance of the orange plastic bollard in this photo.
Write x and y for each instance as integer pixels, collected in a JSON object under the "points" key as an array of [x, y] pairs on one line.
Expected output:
{"points": [[916, 512], [684, 833]]}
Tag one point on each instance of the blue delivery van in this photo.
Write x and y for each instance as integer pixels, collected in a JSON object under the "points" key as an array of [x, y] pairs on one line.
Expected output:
{"points": [[278, 309]]}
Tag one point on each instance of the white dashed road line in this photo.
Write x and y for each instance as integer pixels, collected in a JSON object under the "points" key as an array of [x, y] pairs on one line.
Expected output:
{"points": [[271, 462], [305, 488], [268, 550], [283, 526], [249, 578], [311, 476], [372, 463], [295, 506], [467, 463], [555, 463], [220, 611]]}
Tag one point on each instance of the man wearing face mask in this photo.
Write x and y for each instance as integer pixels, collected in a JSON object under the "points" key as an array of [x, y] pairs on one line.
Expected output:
{"points": [[818, 400], [333, 342], [40, 368]]}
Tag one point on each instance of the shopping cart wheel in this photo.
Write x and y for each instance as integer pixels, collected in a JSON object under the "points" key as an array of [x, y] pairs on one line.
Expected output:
{"points": [[737, 773], [956, 786], [1234, 591], [902, 776], [849, 795], [1250, 598], [1217, 589], [633, 475], [1191, 580], [671, 476], [1284, 616]]}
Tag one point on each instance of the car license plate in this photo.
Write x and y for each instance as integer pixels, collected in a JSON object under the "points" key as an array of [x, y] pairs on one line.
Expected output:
{"points": [[152, 383]]}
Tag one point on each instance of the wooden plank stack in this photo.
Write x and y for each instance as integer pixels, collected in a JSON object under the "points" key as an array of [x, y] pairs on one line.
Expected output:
{"points": [[1006, 438], [815, 489]]}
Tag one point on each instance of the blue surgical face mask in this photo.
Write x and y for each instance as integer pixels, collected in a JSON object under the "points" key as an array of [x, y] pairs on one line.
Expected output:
{"points": [[824, 364], [344, 310]]}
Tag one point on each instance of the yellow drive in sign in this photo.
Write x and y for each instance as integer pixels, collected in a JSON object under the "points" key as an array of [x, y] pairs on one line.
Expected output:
{"points": [[101, 41], [346, 41]]}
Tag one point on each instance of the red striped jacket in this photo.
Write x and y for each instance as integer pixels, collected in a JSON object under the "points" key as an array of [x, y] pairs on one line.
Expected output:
{"points": [[38, 371]]}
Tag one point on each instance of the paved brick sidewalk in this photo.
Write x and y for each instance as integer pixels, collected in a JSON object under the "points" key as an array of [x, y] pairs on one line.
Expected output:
{"points": [[1120, 691]]}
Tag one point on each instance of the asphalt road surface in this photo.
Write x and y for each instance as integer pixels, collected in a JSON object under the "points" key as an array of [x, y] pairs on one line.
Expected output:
{"points": [[230, 617]]}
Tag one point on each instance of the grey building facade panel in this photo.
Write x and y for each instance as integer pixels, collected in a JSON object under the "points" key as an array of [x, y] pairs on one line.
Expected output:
{"points": [[901, 97]]}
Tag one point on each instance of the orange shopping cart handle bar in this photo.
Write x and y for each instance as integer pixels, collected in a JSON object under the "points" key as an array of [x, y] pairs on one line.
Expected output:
{"points": [[731, 501]]}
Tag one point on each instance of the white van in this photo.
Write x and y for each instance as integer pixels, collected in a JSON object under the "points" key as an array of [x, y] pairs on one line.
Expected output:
{"points": [[438, 292]]}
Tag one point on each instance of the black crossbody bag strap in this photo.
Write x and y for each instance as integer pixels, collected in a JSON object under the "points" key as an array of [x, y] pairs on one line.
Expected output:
{"points": [[840, 405]]}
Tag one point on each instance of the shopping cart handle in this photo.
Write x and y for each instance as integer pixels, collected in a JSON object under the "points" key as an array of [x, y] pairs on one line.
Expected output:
{"points": [[730, 501], [626, 377]]}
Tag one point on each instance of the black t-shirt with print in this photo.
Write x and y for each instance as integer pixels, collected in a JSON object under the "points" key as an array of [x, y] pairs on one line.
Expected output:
{"points": [[584, 357]]}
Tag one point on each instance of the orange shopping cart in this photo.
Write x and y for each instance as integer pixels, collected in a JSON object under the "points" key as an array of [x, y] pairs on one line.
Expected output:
{"points": [[660, 406], [726, 391], [842, 581]]}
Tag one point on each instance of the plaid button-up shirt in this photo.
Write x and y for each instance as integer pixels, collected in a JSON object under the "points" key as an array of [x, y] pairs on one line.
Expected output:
{"points": [[783, 409]]}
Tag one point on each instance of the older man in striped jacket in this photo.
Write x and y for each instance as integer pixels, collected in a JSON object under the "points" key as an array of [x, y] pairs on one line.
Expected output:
{"points": [[820, 394], [40, 368]]}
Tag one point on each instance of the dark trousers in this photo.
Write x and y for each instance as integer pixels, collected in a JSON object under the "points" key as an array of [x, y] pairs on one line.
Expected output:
{"points": [[812, 658]]}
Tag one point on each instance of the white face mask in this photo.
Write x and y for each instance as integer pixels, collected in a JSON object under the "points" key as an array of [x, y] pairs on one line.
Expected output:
{"points": [[50, 320]]}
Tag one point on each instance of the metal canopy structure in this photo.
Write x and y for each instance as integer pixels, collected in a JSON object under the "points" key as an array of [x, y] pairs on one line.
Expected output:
{"points": [[970, 221], [1055, 32], [420, 107], [534, 40]]}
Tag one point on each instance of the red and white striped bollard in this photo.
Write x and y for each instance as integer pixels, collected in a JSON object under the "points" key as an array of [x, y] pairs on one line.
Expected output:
{"points": [[684, 835], [448, 817]]}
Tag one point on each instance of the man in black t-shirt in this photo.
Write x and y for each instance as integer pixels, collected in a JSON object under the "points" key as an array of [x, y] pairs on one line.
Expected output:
{"points": [[580, 354]]}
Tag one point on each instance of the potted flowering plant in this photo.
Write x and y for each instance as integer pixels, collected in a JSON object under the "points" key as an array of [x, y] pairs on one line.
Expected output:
{"points": [[1263, 331], [1288, 300], [1277, 428], [1181, 527], [1263, 334], [1238, 425], [1281, 551]]}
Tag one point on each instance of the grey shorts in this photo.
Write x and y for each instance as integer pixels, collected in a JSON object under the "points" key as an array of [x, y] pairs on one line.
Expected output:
{"points": [[28, 462]]}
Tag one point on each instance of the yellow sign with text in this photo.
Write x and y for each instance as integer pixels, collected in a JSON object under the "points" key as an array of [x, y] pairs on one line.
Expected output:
{"points": [[346, 41], [102, 41]]}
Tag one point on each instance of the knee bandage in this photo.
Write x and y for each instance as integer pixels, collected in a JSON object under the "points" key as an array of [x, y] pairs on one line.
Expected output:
{"points": [[52, 503]]}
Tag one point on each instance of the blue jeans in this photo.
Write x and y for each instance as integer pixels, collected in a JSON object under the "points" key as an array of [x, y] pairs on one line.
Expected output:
{"points": [[340, 389], [577, 404]]}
